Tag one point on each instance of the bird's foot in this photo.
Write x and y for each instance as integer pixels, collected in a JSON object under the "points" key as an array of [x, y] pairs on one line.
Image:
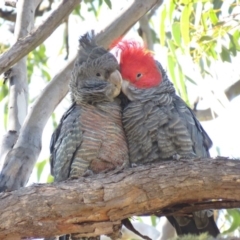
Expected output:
{"points": [[116, 234], [176, 157], [116, 170], [134, 165], [221, 157], [88, 173]]}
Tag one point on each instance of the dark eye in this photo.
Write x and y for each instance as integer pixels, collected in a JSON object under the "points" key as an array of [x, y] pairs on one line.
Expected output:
{"points": [[139, 75], [98, 74]]}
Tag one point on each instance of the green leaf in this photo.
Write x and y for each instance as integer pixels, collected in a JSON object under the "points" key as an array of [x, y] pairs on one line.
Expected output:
{"points": [[171, 69], [54, 120], [3, 90], [171, 8], [225, 55], [184, 24], [46, 75], [40, 166], [162, 25], [42, 50], [198, 14], [204, 21], [108, 2], [77, 11], [232, 46], [154, 220], [154, 36], [235, 216], [217, 4], [191, 80], [212, 52], [92, 8], [176, 33], [182, 86], [50, 179], [185, 2], [100, 3], [172, 48], [236, 38], [213, 17], [205, 38]]}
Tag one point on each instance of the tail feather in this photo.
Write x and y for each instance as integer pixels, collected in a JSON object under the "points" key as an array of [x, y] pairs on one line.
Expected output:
{"points": [[211, 228], [191, 228]]}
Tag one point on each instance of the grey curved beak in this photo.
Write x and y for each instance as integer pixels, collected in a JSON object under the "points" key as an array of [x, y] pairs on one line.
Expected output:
{"points": [[116, 79]]}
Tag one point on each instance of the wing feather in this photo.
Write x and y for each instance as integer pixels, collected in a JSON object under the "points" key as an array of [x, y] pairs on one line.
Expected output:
{"points": [[201, 141], [65, 142]]}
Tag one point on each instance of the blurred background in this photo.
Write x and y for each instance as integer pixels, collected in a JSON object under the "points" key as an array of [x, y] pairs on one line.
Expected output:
{"points": [[197, 42]]}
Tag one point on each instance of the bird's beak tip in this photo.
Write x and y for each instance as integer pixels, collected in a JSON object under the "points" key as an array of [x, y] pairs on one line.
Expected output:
{"points": [[116, 79]]}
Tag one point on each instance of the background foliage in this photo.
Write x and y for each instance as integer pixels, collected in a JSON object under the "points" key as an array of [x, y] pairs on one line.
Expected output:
{"points": [[196, 40]]}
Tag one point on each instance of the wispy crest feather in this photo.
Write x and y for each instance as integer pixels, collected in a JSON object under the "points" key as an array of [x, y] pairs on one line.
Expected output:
{"points": [[136, 59], [130, 48]]}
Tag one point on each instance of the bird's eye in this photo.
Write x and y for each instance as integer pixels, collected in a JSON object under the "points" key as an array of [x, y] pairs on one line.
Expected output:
{"points": [[98, 74], [139, 75]]}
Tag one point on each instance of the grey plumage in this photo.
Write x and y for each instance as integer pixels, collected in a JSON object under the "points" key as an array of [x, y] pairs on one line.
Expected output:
{"points": [[160, 126], [89, 138]]}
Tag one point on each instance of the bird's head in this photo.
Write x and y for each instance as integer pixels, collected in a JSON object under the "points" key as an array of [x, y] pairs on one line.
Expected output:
{"points": [[138, 66], [95, 67]]}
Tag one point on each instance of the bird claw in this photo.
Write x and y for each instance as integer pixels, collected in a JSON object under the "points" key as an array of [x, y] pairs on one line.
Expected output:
{"points": [[221, 157], [134, 165], [176, 157], [88, 173]]}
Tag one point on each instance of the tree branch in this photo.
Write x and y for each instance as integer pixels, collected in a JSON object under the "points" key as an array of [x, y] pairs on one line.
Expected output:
{"points": [[10, 3], [8, 15], [154, 9], [145, 32], [18, 85], [11, 15], [91, 206], [17, 75], [25, 45], [231, 92], [21, 159], [144, 28]]}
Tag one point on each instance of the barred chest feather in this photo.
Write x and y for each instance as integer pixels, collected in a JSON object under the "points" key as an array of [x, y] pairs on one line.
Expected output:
{"points": [[104, 142], [89, 139], [161, 128]]}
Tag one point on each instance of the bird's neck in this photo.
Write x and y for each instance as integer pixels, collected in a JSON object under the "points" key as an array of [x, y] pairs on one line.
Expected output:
{"points": [[161, 94], [110, 109]]}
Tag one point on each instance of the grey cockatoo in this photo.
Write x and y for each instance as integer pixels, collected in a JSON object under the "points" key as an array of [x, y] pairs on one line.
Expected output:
{"points": [[90, 138], [159, 125]]}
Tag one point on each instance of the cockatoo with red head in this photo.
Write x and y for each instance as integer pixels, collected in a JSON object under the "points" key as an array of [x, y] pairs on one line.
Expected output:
{"points": [[159, 125]]}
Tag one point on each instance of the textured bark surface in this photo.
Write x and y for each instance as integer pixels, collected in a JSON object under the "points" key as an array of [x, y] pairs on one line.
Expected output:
{"points": [[93, 205]]}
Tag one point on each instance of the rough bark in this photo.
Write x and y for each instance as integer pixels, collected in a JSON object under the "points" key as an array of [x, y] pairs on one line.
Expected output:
{"points": [[21, 159], [93, 205]]}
